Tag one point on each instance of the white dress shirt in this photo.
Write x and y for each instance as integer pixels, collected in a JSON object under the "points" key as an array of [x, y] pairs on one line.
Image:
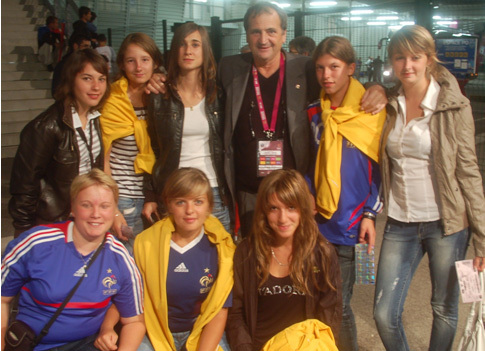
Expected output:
{"points": [[412, 196]]}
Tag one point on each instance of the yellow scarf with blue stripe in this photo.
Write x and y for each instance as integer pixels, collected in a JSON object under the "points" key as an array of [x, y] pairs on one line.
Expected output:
{"points": [[360, 128]]}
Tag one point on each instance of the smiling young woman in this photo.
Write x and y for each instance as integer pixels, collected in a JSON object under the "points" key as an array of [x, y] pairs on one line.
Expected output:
{"points": [[432, 186], [59, 144], [128, 149], [285, 271], [46, 262], [186, 263], [185, 124]]}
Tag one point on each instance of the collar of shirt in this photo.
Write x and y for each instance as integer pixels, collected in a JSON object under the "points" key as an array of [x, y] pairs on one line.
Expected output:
{"points": [[76, 121], [429, 102]]}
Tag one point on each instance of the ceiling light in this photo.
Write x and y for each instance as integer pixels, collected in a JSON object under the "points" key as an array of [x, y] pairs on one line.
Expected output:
{"points": [[406, 23], [437, 17], [322, 3], [395, 27], [283, 5], [387, 18], [361, 12], [351, 18], [376, 23]]}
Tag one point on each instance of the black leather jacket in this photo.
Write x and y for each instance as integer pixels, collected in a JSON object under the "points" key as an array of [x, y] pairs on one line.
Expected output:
{"points": [[165, 127], [46, 162]]}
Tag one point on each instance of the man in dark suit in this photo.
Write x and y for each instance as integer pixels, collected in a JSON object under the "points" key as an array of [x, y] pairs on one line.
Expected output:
{"points": [[245, 132]]}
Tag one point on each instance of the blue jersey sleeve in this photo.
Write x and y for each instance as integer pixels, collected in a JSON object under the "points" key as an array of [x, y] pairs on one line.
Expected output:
{"points": [[374, 203], [129, 297]]}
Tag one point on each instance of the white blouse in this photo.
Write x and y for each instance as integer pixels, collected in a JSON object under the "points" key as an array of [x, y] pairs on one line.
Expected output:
{"points": [[412, 195]]}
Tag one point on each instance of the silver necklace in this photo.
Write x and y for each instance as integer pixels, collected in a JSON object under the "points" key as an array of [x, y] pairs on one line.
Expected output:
{"points": [[89, 259], [277, 261]]}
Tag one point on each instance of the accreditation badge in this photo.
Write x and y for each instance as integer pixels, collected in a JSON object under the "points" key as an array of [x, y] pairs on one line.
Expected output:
{"points": [[269, 156]]}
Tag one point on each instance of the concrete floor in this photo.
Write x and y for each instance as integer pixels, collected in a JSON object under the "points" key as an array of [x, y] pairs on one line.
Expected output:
{"points": [[417, 316]]}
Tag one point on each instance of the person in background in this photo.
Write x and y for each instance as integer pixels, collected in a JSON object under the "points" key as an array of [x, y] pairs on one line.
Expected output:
{"points": [[59, 144], [80, 26], [285, 272], [346, 138], [104, 49], [377, 69], [49, 42], [123, 122], [185, 124], [77, 42], [432, 188], [302, 45], [46, 262], [93, 29], [186, 262], [358, 68]]}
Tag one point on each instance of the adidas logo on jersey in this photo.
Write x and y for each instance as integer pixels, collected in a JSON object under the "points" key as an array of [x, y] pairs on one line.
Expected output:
{"points": [[181, 268], [80, 272]]}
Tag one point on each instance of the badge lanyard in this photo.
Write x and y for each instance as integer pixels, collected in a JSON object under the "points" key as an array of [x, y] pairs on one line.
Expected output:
{"points": [[89, 146], [269, 131]]}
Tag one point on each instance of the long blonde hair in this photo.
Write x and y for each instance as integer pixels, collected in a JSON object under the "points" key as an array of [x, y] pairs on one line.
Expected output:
{"points": [[292, 190]]}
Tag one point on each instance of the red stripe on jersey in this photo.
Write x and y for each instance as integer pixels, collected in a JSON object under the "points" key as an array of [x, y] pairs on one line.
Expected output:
{"points": [[79, 305]]}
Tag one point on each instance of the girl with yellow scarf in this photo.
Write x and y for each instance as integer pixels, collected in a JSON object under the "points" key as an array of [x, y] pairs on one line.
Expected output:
{"points": [[346, 178]]}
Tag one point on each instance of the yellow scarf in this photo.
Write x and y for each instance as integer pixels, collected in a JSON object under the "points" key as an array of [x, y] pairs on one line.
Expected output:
{"points": [[118, 120], [152, 248], [362, 129], [309, 335]]}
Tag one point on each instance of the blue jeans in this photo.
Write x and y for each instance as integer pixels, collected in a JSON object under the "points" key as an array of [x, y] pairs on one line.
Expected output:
{"points": [[180, 339], [403, 247], [348, 330], [131, 209], [220, 210]]}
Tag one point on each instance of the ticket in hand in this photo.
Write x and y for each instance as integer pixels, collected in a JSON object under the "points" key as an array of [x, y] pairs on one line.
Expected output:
{"points": [[469, 281]]}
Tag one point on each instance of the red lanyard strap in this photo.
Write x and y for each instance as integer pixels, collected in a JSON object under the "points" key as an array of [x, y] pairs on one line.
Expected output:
{"points": [[257, 89]]}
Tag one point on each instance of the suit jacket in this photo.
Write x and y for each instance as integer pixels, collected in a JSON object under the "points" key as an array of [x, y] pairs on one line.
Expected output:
{"points": [[301, 89]]}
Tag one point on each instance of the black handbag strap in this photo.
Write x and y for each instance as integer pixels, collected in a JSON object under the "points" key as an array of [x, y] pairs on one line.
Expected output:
{"points": [[46, 328]]}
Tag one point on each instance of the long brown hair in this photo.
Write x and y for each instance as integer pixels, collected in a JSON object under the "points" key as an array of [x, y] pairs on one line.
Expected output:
{"points": [[148, 45], [292, 190], [208, 71], [74, 65]]}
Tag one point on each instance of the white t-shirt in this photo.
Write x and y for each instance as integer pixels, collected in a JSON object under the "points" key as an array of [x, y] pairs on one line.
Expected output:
{"points": [[195, 142]]}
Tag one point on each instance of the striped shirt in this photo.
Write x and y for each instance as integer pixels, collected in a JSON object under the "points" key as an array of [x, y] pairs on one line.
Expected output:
{"points": [[121, 161], [92, 140]]}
